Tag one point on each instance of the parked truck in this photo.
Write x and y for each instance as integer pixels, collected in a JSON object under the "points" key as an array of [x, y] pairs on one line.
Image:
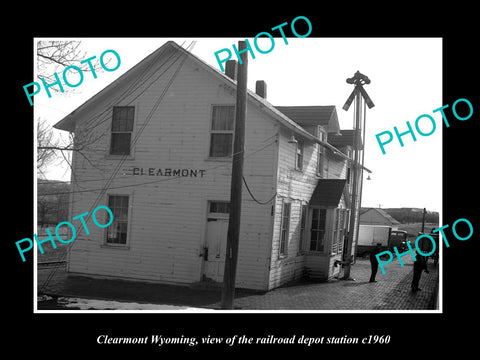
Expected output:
{"points": [[371, 235]]}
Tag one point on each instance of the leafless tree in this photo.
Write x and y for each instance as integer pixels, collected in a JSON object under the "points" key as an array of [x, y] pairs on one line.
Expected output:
{"points": [[46, 146], [54, 56]]}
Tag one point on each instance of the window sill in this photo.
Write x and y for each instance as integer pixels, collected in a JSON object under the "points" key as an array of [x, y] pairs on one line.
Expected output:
{"points": [[219, 159], [119, 157], [114, 246], [315, 253]]}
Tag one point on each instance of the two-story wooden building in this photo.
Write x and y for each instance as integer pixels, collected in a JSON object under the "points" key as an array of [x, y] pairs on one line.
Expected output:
{"points": [[155, 146]]}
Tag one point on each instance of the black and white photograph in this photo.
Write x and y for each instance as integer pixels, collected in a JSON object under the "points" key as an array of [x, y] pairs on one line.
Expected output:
{"points": [[316, 197]]}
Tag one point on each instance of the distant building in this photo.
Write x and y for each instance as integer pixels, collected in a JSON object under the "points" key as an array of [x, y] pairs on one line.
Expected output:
{"points": [[157, 150], [377, 216]]}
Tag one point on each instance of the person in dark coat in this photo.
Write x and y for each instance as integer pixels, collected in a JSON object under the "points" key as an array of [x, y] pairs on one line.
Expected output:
{"points": [[374, 261], [418, 266]]}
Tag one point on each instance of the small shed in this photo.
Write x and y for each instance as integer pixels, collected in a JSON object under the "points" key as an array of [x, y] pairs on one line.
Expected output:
{"points": [[377, 216]]}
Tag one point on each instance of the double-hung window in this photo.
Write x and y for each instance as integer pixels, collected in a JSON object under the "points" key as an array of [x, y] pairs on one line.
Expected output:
{"points": [[299, 155], [116, 233], [322, 135], [339, 229], [221, 132], [317, 229], [122, 129], [285, 229]]}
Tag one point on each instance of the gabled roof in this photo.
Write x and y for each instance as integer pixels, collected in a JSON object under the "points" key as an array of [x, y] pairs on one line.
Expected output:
{"points": [[313, 115], [68, 122], [384, 214], [328, 192], [345, 138]]}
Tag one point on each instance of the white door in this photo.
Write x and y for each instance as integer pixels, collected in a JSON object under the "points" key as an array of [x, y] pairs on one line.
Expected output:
{"points": [[215, 242]]}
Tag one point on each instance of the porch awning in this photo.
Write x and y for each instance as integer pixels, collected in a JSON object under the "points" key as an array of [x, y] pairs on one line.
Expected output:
{"points": [[328, 192]]}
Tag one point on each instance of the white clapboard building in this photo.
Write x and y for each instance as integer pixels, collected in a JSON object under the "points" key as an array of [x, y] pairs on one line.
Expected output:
{"points": [[155, 146]]}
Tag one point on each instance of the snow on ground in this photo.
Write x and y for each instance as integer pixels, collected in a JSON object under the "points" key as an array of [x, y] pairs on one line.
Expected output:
{"points": [[94, 304]]}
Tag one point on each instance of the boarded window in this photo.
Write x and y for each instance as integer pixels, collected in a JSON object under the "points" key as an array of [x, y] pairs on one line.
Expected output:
{"points": [[116, 233], [285, 227], [122, 129], [317, 229], [221, 136]]}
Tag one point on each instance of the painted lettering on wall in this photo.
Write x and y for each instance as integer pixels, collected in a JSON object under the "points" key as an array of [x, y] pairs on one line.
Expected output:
{"points": [[168, 172]]}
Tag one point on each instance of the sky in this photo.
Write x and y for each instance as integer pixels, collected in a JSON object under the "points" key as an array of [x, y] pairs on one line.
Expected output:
{"points": [[406, 82]]}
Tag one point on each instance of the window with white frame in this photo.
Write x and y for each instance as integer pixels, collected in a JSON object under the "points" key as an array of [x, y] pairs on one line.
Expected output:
{"points": [[299, 155], [122, 130], [320, 160], [116, 233], [322, 135], [221, 132], [317, 229], [285, 228], [339, 230]]}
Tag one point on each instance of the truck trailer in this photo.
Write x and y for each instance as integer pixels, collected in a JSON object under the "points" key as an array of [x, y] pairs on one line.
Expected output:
{"points": [[371, 235]]}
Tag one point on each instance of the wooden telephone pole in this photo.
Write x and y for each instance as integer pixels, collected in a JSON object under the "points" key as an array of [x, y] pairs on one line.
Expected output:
{"points": [[228, 291]]}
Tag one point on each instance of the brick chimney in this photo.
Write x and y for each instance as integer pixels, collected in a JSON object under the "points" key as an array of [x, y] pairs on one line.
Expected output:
{"points": [[231, 69], [261, 88]]}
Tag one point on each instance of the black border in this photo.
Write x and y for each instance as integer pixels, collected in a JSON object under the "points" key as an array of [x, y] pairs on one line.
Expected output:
{"points": [[424, 333]]}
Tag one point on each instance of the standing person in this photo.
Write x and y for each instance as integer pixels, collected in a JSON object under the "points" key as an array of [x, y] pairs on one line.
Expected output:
{"points": [[418, 266], [374, 261]]}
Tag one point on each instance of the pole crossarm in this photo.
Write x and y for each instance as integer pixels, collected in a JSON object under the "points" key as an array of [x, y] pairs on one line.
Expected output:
{"points": [[358, 80]]}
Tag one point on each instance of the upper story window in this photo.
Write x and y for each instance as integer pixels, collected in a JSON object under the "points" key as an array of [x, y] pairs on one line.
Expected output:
{"points": [[122, 129], [299, 155], [320, 160], [321, 133], [221, 132]]}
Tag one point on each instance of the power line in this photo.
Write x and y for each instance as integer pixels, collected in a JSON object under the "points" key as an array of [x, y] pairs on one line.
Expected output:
{"points": [[158, 180], [115, 172], [253, 197]]}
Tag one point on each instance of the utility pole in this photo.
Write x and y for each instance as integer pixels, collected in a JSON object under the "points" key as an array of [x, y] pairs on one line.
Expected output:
{"points": [[357, 94], [423, 219], [233, 235]]}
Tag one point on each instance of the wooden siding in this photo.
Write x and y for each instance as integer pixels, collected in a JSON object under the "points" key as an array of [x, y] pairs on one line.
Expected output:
{"points": [[296, 187], [167, 215]]}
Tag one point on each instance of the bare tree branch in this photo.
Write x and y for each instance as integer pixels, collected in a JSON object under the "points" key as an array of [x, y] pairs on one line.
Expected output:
{"points": [[55, 56]]}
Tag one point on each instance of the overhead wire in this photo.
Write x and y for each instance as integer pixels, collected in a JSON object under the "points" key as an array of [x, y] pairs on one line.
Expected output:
{"points": [[223, 164], [115, 172]]}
